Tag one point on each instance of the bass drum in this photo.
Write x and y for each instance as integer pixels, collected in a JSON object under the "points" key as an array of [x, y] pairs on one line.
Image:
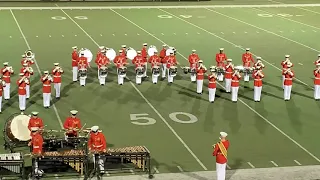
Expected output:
{"points": [[111, 54], [131, 53], [87, 53]]}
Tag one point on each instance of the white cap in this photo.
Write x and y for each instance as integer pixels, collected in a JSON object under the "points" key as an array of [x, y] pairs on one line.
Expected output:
{"points": [[23, 55], [223, 134], [101, 47], [74, 47], [193, 50], [120, 50], [318, 64], [318, 55], [212, 68], [94, 128], [247, 49], [164, 45], [139, 52], [103, 50], [34, 129], [34, 113], [21, 74], [221, 49], [6, 63], [145, 44], [56, 64], [258, 57], [200, 61], [25, 64], [229, 60], [287, 56], [73, 112], [46, 72], [123, 46], [258, 61]]}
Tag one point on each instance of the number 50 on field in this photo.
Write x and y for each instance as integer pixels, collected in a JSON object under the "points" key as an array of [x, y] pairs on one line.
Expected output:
{"points": [[144, 119]]}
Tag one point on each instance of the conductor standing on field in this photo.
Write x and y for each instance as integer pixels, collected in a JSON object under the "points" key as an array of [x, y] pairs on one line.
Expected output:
{"points": [[221, 153]]}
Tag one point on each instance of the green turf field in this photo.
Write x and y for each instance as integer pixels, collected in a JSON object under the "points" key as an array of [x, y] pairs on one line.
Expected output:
{"points": [[177, 125]]}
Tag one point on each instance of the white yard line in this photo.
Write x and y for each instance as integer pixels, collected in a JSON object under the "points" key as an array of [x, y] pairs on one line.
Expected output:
{"points": [[156, 170], [262, 117], [298, 7], [228, 166], [297, 162], [276, 165], [146, 100], [180, 169], [37, 65], [225, 40], [251, 165]]}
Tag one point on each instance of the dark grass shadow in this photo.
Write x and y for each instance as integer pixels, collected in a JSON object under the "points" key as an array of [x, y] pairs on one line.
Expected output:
{"points": [[279, 87], [234, 166], [306, 87], [294, 114], [260, 124], [302, 95], [232, 118], [209, 122], [33, 100]]}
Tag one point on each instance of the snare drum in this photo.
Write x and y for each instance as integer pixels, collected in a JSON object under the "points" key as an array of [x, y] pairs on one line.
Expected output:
{"points": [[16, 128]]}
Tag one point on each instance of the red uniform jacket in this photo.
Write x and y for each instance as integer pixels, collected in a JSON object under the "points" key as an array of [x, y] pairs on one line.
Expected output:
{"points": [[228, 72], [220, 158], [144, 53], [35, 122], [99, 55], [257, 79], [46, 85], [74, 57], [193, 60], [22, 87], [56, 76], [288, 78], [1, 89], [138, 61], [162, 53], [200, 73], [6, 75], [154, 60], [247, 59], [26, 61], [220, 58], [82, 62], [171, 61], [26, 72], [316, 77], [235, 81], [103, 61], [72, 123], [37, 143], [97, 142], [120, 61], [212, 82]]}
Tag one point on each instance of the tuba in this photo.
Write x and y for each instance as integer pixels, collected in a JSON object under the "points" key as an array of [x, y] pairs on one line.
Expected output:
{"points": [[156, 71], [131, 53], [111, 54], [103, 72], [29, 54], [140, 71], [173, 71], [152, 49], [87, 53], [122, 71]]}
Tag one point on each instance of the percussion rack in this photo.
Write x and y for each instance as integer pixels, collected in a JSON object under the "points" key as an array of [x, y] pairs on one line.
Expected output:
{"points": [[12, 165]]}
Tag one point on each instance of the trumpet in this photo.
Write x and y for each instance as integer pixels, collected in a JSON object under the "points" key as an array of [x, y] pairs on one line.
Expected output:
{"points": [[48, 77], [58, 69], [10, 69], [2, 82], [317, 70], [30, 69], [25, 79], [202, 66], [228, 65], [213, 76]]}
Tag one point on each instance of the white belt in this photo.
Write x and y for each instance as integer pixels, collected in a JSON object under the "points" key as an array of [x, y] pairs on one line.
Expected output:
{"points": [[212, 82], [74, 60], [288, 78], [228, 72], [200, 74], [36, 146], [97, 146], [257, 79], [21, 88], [46, 85], [317, 78], [6, 76], [234, 81], [56, 76]]}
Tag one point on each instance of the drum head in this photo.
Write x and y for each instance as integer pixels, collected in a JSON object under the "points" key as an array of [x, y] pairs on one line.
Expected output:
{"points": [[19, 128]]}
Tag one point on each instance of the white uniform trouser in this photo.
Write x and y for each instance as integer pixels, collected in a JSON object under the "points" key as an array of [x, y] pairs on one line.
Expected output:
{"points": [[212, 94], [246, 77], [199, 85], [22, 102], [154, 79], [193, 77], [234, 93], [28, 91], [100, 162], [57, 87], [6, 90], [82, 81], [75, 73], [0, 103], [221, 171], [316, 91], [138, 80], [102, 80], [46, 99], [257, 93], [170, 78], [228, 85], [287, 92], [220, 77], [283, 77], [145, 72], [164, 70]]}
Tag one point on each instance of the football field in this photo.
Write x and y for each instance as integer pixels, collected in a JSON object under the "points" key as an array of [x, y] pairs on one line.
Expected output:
{"points": [[176, 124]]}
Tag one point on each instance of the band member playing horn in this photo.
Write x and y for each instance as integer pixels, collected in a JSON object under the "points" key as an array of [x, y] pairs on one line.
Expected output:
{"points": [[257, 75], [35, 121], [285, 63], [120, 61], [82, 69], [164, 64], [72, 124], [22, 83], [193, 61], [28, 71], [155, 61], [97, 144], [288, 75], [36, 145], [247, 59], [75, 58], [144, 54], [316, 74], [171, 66], [220, 58], [124, 50], [201, 70], [46, 88], [6, 73], [139, 63], [2, 86], [221, 153], [258, 63], [228, 75], [235, 85], [103, 63], [99, 54], [26, 60], [57, 71], [212, 84]]}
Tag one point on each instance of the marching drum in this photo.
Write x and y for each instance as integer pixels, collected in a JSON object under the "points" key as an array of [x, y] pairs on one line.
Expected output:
{"points": [[82, 73], [173, 71], [152, 49], [111, 54], [103, 72], [156, 71], [186, 70], [87, 53], [193, 71], [122, 71], [140, 71]]}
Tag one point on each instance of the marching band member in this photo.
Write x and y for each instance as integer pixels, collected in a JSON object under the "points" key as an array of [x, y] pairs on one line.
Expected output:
{"points": [[124, 50], [201, 70], [102, 54], [99, 53], [164, 64], [2, 86], [26, 60], [144, 54], [82, 64], [220, 58], [155, 60], [212, 84], [316, 73], [247, 59], [170, 61], [288, 75], [75, 59], [258, 63], [235, 85], [28, 71], [257, 75], [228, 75], [6, 72], [139, 62], [318, 60], [102, 62], [57, 72], [22, 83], [97, 144], [284, 65], [72, 124], [193, 60], [221, 153], [36, 144], [46, 88], [120, 61], [35, 121]]}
